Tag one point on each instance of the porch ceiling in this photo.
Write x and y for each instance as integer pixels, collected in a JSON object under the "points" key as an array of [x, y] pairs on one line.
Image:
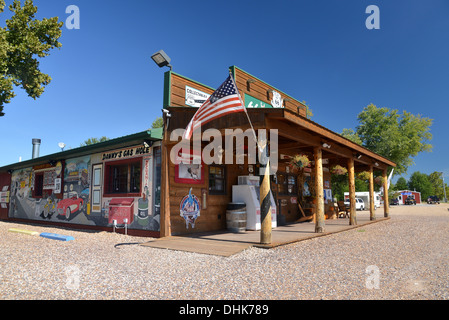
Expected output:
{"points": [[298, 133]]}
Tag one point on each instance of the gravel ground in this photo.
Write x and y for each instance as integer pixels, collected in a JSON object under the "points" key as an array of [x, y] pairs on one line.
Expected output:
{"points": [[405, 257]]}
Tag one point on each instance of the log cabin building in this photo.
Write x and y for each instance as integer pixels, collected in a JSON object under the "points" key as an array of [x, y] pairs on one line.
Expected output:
{"points": [[90, 187], [298, 194]]}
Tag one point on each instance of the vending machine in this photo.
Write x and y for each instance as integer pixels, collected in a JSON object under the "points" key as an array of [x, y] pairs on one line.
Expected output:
{"points": [[248, 191]]}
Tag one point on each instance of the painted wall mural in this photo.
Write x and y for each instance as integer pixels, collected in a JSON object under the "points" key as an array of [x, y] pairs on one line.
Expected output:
{"points": [[28, 201], [65, 196]]}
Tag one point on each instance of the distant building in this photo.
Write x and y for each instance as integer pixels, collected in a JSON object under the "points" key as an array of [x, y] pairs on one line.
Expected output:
{"points": [[406, 193]]}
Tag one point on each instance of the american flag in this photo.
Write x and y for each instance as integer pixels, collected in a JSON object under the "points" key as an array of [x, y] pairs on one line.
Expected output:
{"points": [[223, 101]]}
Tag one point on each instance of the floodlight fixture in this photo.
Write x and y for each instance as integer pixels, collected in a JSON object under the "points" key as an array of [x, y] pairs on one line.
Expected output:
{"points": [[161, 59]]}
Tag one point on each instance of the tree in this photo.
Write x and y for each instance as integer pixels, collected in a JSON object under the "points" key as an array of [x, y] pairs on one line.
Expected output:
{"points": [[90, 141], [22, 41], [157, 123], [351, 135], [340, 185], [398, 137], [401, 184], [420, 182], [436, 179]]}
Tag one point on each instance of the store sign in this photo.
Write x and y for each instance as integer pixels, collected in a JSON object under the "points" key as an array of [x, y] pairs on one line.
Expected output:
{"points": [[195, 97], [276, 102], [4, 195], [126, 153], [251, 102]]}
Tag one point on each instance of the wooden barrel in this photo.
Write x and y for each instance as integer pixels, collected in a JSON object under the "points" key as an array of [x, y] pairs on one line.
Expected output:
{"points": [[236, 217]]}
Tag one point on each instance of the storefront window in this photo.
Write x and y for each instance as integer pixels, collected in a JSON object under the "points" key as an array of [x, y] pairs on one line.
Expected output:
{"points": [[286, 184], [217, 180], [124, 177]]}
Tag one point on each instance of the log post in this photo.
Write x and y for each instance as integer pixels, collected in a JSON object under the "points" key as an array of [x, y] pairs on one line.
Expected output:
{"points": [[351, 177], [265, 199], [386, 200], [319, 191], [372, 212]]}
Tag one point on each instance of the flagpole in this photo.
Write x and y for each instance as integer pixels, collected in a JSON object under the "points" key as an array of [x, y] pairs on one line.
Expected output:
{"points": [[244, 108], [265, 188]]}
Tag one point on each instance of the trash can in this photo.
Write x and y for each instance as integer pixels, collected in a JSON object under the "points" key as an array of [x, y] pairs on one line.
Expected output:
{"points": [[236, 217]]}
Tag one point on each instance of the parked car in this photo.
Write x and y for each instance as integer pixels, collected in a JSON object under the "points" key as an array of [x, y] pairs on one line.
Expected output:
{"points": [[410, 200], [68, 206], [359, 204], [394, 202], [433, 200]]}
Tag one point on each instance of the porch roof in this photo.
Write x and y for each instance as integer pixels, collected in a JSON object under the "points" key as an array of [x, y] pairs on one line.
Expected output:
{"points": [[295, 132]]}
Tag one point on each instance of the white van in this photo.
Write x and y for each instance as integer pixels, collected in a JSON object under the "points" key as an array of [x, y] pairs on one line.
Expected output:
{"points": [[365, 197], [359, 204]]}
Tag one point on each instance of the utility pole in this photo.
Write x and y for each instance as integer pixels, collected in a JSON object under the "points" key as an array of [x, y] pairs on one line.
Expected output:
{"points": [[444, 187]]}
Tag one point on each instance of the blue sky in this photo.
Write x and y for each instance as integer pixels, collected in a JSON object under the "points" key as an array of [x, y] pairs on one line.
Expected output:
{"points": [[105, 83]]}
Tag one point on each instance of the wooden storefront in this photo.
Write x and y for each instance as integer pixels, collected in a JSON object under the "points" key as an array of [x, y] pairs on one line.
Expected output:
{"points": [[296, 135]]}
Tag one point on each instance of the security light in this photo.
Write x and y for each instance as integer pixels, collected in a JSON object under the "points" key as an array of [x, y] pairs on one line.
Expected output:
{"points": [[161, 59], [167, 113], [147, 143]]}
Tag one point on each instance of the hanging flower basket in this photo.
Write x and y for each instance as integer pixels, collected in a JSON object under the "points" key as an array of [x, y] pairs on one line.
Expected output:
{"points": [[364, 175], [379, 180], [338, 170], [299, 161]]}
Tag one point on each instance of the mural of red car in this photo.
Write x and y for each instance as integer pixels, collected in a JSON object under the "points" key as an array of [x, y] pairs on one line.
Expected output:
{"points": [[68, 206]]}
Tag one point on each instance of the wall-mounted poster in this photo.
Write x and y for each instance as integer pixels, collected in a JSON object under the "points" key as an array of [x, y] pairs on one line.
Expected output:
{"points": [[190, 208], [195, 97], [189, 173], [186, 171]]}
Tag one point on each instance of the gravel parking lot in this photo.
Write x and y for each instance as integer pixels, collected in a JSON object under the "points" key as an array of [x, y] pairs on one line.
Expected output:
{"points": [[405, 257]]}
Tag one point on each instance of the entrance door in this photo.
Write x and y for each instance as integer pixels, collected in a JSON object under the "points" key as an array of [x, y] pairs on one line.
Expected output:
{"points": [[97, 175]]}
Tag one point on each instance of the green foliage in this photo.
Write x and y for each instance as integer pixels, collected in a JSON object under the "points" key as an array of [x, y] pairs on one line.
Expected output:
{"points": [[401, 184], [22, 41], [351, 135], [436, 180], [93, 140], [157, 123], [398, 137], [340, 185], [420, 182]]}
